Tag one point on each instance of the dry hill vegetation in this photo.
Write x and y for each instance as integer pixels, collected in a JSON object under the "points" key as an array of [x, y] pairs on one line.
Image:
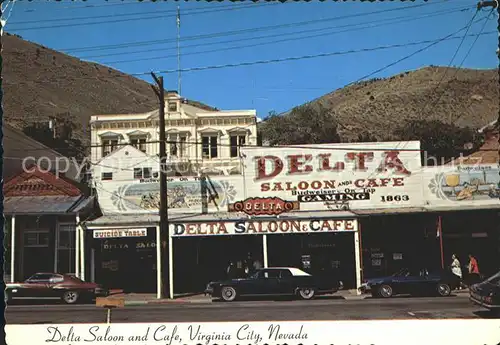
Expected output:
{"points": [[465, 97], [39, 82]]}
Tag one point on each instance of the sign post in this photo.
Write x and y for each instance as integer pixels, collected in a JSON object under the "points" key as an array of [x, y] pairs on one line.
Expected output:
{"points": [[109, 303]]}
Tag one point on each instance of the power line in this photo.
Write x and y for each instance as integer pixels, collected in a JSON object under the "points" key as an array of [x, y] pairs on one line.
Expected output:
{"points": [[449, 65], [130, 19], [186, 12], [241, 31], [295, 58], [243, 47], [389, 22]]}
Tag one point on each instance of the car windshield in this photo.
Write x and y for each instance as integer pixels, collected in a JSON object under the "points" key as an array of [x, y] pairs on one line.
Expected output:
{"points": [[75, 278], [495, 279]]}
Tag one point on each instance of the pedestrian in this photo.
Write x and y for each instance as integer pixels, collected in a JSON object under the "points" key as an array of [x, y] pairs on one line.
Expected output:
{"points": [[230, 271], [249, 268], [473, 271], [456, 269]]}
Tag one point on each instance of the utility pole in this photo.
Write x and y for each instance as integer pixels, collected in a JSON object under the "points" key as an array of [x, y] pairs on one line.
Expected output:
{"points": [[164, 229]]}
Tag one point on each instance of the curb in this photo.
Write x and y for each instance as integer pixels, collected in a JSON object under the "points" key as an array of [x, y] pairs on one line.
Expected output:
{"points": [[167, 301]]}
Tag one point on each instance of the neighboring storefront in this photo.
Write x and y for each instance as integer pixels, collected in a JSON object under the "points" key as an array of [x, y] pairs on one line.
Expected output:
{"points": [[465, 200], [42, 231], [123, 252], [203, 247]]}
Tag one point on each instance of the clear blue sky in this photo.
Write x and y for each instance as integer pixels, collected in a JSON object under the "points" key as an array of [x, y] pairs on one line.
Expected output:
{"points": [[265, 87]]}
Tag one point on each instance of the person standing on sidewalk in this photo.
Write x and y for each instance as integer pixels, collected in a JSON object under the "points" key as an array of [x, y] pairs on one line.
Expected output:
{"points": [[473, 271], [456, 269]]}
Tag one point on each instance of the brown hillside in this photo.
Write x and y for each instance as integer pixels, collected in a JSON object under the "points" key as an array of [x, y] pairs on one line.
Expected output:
{"points": [[39, 82], [469, 98]]}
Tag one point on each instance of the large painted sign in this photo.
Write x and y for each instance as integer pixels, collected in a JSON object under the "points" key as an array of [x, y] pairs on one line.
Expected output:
{"points": [[184, 195], [337, 176], [262, 227], [462, 186]]}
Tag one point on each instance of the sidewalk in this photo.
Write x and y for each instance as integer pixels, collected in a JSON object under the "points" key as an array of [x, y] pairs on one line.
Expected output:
{"points": [[132, 299]]}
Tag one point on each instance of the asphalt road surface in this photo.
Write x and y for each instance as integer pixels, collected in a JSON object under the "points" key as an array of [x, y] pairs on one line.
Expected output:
{"points": [[320, 309]]}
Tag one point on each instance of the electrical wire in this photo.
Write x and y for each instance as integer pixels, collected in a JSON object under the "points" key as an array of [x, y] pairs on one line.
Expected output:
{"points": [[128, 19], [389, 21], [449, 65], [185, 13], [247, 30]]}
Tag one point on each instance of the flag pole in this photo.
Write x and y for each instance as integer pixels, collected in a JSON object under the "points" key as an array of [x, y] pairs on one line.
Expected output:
{"points": [[179, 50]]}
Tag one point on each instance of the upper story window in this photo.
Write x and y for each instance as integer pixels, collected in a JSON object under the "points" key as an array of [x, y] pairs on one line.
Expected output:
{"points": [[209, 145], [236, 141], [177, 145], [139, 143], [172, 106], [109, 145], [107, 176], [140, 173]]}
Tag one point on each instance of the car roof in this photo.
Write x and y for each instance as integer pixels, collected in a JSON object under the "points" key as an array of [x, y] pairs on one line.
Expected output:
{"points": [[293, 270]]}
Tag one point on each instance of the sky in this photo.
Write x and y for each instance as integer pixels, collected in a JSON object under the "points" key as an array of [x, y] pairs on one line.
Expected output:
{"points": [[140, 37]]}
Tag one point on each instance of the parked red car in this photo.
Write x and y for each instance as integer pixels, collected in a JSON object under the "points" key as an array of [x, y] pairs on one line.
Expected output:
{"points": [[69, 288]]}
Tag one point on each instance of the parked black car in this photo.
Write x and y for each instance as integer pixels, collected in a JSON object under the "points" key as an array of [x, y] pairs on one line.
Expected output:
{"points": [[412, 282], [487, 293], [274, 281]]}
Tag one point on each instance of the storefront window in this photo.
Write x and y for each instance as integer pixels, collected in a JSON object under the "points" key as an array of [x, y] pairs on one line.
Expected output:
{"points": [[66, 248]]}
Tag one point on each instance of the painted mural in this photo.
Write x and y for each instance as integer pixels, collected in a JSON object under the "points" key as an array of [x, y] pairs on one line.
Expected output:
{"points": [[183, 196], [465, 185]]}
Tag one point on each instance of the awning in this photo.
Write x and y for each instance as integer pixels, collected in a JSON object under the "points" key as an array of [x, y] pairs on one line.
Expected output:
{"points": [[123, 220], [45, 205]]}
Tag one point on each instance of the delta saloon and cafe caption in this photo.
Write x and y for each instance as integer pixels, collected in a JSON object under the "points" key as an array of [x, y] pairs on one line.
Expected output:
{"points": [[356, 213]]}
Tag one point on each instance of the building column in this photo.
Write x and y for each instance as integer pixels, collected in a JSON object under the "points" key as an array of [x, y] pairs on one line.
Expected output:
{"points": [[12, 247], [170, 266], [264, 250], [159, 278], [92, 265], [82, 252], [357, 260], [77, 247]]}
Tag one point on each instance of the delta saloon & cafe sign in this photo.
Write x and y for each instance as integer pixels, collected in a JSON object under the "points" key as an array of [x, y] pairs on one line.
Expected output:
{"points": [[244, 227], [333, 177]]}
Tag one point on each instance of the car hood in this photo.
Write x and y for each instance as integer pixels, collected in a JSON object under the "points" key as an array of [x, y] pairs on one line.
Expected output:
{"points": [[485, 288], [378, 280]]}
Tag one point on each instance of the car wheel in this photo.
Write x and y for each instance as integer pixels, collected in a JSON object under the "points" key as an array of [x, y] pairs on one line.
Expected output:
{"points": [[385, 291], [228, 293], [70, 297], [443, 289], [306, 293]]}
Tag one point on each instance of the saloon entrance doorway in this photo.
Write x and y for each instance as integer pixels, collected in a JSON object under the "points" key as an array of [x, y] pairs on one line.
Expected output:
{"points": [[199, 260], [323, 243], [330, 254]]}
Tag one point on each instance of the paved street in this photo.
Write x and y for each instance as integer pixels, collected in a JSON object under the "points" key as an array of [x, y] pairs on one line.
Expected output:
{"points": [[320, 309]]}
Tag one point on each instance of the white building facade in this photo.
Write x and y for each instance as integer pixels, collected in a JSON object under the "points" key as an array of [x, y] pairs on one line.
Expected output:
{"points": [[198, 140]]}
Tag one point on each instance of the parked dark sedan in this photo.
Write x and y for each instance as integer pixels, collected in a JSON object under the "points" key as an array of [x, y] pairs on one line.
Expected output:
{"points": [[411, 282], [274, 281], [487, 293], [52, 285]]}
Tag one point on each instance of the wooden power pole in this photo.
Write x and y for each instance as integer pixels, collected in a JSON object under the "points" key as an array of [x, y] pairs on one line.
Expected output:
{"points": [[164, 229]]}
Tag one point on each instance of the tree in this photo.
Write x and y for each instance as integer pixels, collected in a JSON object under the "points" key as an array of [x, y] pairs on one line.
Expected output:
{"points": [[440, 142], [62, 143], [306, 124]]}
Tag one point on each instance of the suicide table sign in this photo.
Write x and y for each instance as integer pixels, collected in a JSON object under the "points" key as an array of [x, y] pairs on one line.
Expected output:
{"points": [[386, 332]]}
